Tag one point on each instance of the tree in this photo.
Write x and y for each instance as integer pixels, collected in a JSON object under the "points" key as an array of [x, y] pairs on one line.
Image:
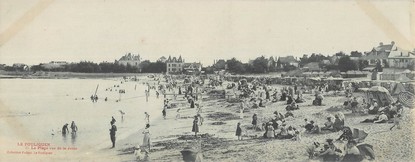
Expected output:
{"points": [[363, 64], [260, 65], [356, 54], [271, 64], [346, 64], [235, 66]]}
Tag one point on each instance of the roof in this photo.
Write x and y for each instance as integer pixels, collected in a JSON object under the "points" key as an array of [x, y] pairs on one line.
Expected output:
{"points": [[130, 57], [174, 59], [376, 55], [192, 65], [313, 66], [288, 59], [386, 47]]}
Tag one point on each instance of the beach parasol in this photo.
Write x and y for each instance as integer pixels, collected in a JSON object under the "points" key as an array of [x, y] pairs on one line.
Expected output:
{"points": [[406, 99], [359, 135]]}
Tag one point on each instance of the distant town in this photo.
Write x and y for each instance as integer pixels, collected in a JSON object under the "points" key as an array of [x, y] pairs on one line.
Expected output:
{"points": [[355, 64]]}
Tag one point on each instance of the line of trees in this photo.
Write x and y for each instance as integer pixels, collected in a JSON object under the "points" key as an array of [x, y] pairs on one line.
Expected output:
{"points": [[265, 65], [105, 67]]}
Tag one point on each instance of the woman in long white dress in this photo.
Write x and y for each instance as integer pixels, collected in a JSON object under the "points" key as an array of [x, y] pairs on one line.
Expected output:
{"points": [[146, 138]]}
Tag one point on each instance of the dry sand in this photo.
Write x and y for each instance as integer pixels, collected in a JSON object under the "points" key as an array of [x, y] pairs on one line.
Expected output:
{"points": [[220, 143]]}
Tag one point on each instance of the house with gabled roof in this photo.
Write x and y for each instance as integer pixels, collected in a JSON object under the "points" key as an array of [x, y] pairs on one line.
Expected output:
{"points": [[389, 55], [174, 65], [285, 61], [130, 59]]}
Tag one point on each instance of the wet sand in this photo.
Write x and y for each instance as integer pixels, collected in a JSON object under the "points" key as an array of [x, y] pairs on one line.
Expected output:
{"points": [[170, 136]]}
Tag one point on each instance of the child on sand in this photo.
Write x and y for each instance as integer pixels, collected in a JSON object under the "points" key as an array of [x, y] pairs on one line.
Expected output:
{"points": [[396, 121], [238, 131], [178, 114]]}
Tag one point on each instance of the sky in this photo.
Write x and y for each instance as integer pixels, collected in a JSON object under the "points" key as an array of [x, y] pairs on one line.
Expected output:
{"points": [[40, 31]]}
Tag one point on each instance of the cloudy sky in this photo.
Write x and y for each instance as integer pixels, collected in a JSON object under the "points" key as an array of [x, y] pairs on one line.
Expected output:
{"points": [[38, 31]]}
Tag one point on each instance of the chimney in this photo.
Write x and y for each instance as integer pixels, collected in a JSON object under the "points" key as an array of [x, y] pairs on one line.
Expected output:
{"points": [[381, 44]]}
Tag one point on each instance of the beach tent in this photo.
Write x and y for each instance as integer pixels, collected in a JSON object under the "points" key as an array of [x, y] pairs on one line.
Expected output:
{"points": [[407, 99], [398, 89], [380, 94]]}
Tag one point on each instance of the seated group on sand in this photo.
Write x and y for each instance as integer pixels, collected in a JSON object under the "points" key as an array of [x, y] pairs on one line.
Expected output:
{"points": [[331, 125], [385, 113]]}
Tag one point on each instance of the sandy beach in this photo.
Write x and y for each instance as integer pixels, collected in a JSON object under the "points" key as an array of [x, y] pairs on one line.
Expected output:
{"points": [[59, 103]]}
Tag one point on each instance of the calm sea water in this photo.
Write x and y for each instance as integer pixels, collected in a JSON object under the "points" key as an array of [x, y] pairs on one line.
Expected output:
{"points": [[32, 108]]}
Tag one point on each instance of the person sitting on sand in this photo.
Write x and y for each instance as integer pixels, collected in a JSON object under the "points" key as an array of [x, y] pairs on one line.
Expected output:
{"points": [[283, 95], [270, 133], [382, 118], [346, 135], [316, 129], [328, 125], [283, 132], [290, 100], [309, 125], [396, 121], [288, 114], [352, 152], [260, 103], [374, 108], [338, 124], [299, 99], [278, 116]]}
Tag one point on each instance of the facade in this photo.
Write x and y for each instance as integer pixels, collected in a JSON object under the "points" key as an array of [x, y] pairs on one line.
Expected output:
{"points": [[285, 61], [390, 56], [401, 59], [54, 64], [174, 65], [129, 59], [192, 68], [312, 67]]}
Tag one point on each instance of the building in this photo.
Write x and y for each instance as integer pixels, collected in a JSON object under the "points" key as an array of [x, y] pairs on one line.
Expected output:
{"points": [[174, 65], [389, 55], [129, 59], [192, 68], [162, 59], [285, 61], [401, 59], [312, 67], [54, 64]]}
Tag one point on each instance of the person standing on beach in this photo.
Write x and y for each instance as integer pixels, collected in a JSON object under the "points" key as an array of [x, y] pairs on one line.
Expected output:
{"points": [[157, 94], [147, 118], [238, 131], [241, 110], [164, 111], [112, 130], [254, 122], [146, 138], [147, 94], [195, 127]]}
